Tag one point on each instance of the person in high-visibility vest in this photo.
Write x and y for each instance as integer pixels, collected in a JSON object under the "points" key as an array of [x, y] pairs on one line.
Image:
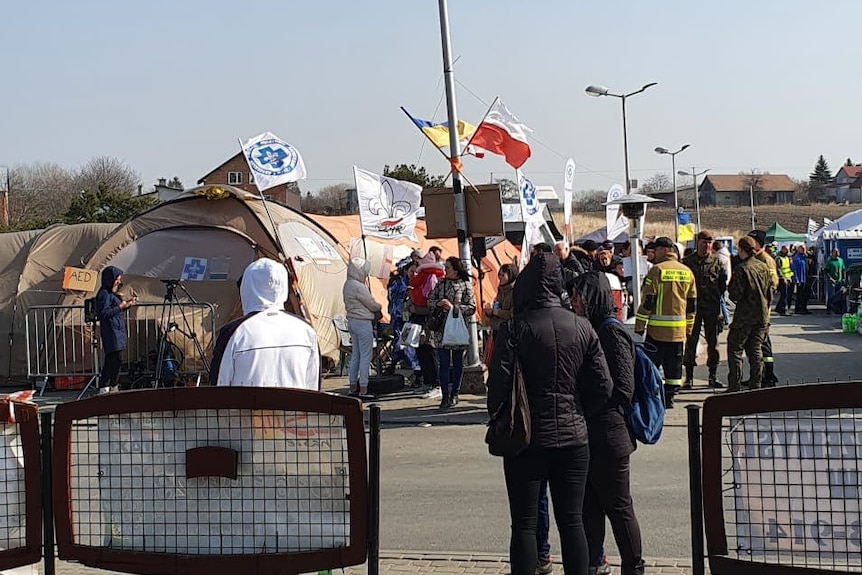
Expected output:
{"points": [[666, 313], [785, 279]]}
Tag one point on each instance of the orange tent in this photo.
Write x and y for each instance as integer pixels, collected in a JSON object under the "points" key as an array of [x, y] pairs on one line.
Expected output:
{"points": [[347, 228]]}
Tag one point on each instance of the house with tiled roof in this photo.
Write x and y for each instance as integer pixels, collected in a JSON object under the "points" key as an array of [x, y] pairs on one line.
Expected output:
{"points": [[736, 190], [842, 189]]}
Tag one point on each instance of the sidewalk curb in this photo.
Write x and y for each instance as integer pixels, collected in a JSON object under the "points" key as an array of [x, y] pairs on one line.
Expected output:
{"points": [[467, 556]]}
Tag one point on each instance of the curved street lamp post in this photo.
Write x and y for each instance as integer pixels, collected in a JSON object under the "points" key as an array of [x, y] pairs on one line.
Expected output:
{"points": [[660, 150], [695, 175]]}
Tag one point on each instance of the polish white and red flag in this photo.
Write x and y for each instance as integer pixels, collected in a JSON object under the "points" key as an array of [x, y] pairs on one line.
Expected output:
{"points": [[503, 134]]}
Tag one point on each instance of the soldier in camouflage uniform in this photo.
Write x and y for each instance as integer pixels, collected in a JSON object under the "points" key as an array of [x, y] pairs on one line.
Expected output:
{"points": [[769, 377], [711, 279], [751, 291]]}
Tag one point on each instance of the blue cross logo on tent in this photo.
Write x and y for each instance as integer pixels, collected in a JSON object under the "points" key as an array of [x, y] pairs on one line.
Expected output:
{"points": [[194, 269], [274, 157]]}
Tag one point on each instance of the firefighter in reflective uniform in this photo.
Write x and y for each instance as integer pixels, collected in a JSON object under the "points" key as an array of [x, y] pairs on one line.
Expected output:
{"points": [[769, 378], [666, 313]]}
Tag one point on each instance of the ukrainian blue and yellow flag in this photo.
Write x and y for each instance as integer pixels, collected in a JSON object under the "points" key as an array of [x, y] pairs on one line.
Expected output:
{"points": [[438, 133]]}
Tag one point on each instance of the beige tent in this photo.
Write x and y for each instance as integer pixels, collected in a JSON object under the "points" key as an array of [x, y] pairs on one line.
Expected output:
{"points": [[206, 237], [33, 275]]}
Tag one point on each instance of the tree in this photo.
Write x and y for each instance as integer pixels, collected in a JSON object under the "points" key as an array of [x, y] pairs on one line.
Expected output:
{"points": [[819, 179], [849, 162], [106, 206], [415, 174], [39, 194], [590, 201], [657, 183], [821, 175], [112, 172], [176, 184]]}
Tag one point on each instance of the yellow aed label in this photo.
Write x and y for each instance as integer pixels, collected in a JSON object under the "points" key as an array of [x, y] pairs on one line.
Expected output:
{"points": [[681, 276]]}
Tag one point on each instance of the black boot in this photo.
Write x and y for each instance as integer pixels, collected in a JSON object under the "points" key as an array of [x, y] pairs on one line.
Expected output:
{"points": [[769, 379], [713, 380], [417, 379], [669, 392], [444, 402], [689, 377], [453, 401]]}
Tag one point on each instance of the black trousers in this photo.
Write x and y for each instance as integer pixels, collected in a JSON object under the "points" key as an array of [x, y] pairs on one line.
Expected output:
{"points": [[608, 494], [802, 293], [111, 370], [783, 295], [711, 322], [427, 356], [565, 470], [668, 356]]}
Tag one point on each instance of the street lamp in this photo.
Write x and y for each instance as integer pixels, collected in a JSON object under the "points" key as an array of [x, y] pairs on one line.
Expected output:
{"points": [[695, 175], [660, 150], [597, 91], [634, 222]]}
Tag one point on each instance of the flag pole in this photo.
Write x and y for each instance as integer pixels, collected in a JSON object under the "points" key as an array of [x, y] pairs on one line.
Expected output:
{"points": [[278, 243], [361, 223], [488, 111], [454, 154]]}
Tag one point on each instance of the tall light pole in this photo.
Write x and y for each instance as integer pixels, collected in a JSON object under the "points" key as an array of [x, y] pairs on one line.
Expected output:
{"points": [[694, 176], [660, 150], [455, 154], [635, 215], [597, 91]]}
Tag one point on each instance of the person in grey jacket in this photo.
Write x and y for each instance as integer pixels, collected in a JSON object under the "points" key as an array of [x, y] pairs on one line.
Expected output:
{"points": [[361, 311]]}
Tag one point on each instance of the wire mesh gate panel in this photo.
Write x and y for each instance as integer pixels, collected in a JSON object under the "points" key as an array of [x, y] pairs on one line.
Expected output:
{"points": [[20, 489], [239, 480], [782, 480], [62, 343]]}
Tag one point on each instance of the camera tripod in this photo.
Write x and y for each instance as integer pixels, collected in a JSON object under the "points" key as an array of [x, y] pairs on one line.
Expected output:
{"points": [[166, 326]]}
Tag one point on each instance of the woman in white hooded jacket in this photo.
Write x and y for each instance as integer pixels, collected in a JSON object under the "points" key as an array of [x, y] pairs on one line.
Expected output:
{"points": [[361, 311]]}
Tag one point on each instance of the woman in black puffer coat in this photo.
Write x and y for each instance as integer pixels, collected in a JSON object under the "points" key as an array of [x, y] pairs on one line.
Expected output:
{"points": [[608, 491], [567, 381]]}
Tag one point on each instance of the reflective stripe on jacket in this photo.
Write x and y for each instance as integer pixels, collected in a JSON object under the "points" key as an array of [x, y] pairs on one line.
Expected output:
{"points": [[669, 301]]}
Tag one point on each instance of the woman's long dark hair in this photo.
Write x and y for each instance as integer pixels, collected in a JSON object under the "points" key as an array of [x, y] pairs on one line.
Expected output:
{"points": [[595, 292], [511, 271], [458, 266]]}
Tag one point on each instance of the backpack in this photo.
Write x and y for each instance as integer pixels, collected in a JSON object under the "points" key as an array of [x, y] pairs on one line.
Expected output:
{"points": [[645, 415]]}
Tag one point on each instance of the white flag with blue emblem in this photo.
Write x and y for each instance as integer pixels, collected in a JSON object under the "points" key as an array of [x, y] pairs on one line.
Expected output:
{"points": [[531, 207], [272, 161]]}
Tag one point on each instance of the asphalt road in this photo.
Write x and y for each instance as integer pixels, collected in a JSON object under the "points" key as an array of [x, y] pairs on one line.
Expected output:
{"points": [[442, 491]]}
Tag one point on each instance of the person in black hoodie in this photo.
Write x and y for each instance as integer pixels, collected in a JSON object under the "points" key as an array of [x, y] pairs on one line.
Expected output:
{"points": [[608, 491], [567, 380], [110, 308]]}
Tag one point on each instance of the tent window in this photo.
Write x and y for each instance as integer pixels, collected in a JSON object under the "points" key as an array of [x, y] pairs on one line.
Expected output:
{"points": [[234, 178]]}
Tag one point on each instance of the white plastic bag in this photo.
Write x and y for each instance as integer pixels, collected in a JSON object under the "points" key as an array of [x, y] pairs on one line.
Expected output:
{"points": [[410, 336], [455, 332]]}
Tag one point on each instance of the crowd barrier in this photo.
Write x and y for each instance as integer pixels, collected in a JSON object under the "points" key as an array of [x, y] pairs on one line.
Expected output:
{"points": [[63, 343], [776, 487], [194, 481]]}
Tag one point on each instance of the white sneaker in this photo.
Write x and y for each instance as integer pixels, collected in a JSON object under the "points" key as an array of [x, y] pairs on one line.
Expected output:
{"points": [[104, 390], [115, 388], [435, 393]]}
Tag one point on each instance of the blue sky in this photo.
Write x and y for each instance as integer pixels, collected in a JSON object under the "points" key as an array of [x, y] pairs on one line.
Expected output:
{"points": [[168, 86]]}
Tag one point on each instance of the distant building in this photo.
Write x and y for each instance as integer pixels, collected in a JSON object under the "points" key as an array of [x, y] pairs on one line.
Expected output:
{"points": [[733, 190], [165, 191], [234, 172], [845, 188], [685, 194]]}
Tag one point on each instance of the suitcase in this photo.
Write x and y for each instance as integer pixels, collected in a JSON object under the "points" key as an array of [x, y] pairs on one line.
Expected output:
{"points": [[383, 384]]}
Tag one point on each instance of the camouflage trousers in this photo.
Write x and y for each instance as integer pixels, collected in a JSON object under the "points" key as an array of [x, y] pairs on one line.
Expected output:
{"points": [[747, 339]]}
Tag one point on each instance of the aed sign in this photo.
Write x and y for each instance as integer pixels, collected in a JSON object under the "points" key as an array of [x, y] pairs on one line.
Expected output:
{"points": [[80, 279]]}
